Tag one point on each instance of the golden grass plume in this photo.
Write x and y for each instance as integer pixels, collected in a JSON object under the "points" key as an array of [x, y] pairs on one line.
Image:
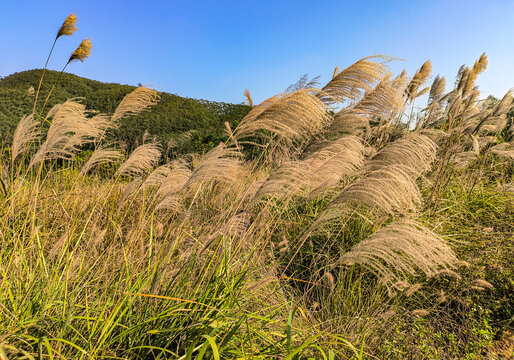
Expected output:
{"points": [[135, 102], [27, 132], [101, 155], [399, 251], [140, 160], [352, 83], [415, 150], [68, 26], [81, 52], [69, 130], [389, 189], [291, 119]]}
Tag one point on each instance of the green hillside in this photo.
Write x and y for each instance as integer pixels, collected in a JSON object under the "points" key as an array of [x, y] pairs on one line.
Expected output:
{"points": [[173, 116]]}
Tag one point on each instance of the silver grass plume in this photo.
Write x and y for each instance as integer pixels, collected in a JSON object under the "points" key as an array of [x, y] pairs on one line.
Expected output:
{"points": [[82, 52], [353, 82], [415, 150], [135, 102], [304, 83], [504, 150], [69, 130], [140, 160], [437, 89], [504, 105], [318, 172], [27, 132], [157, 176], [390, 190], [334, 162], [290, 118], [469, 84], [222, 164], [419, 78], [386, 100], [400, 251], [175, 180], [68, 26], [101, 155]]}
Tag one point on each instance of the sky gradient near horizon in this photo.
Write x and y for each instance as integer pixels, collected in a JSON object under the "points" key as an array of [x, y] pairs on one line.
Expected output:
{"points": [[214, 50]]}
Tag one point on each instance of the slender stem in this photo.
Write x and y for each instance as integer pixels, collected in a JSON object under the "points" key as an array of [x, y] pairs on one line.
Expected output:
{"points": [[52, 89], [41, 79]]}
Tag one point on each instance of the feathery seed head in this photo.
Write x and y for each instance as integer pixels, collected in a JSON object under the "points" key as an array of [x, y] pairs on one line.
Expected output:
{"points": [[481, 64], [414, 150], [140, 160], [399, 250], [30, 91], [352, 83], [135, 102], [68, 27], [420, 77], [336, 71], [81, 52], [437, 89], [248, 98], [26, 132]]}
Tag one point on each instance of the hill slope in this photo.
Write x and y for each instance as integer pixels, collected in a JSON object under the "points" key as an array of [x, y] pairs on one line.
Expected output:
{"points": [[174, 115]]}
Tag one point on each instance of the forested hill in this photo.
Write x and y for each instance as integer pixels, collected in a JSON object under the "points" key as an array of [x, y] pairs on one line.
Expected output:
{"points": [[172, 117]]}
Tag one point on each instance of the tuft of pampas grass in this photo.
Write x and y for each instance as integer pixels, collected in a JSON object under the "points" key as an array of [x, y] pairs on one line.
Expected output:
{"points": [[222, 165], [352, 83], [319, 171], [175, 180], [68, 26], [385, 101], [416, 151], [101, 155], [27, 132], [292, 119], [248, 98], [157, 176], [437, 89], [82, 52], [398, 251], [140, 160], [419, 78], [135, 102], [390, 190], [69, 130]]}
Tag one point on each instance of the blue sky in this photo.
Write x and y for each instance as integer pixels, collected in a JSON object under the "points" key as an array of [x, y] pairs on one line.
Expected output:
{"points": [[216, 49]]}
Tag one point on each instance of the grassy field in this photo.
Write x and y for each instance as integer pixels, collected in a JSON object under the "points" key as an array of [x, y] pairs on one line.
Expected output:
{"points": [[335, 222]]}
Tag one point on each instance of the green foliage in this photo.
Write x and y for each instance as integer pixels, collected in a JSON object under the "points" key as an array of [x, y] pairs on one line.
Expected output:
{"points": [[171, 117]]}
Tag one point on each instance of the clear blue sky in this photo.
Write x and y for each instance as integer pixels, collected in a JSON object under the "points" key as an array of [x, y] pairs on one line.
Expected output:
{"points": [[216, 49]]}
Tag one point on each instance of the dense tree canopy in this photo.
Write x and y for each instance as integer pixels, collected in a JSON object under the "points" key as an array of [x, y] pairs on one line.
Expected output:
{"points": [[190, 124]]}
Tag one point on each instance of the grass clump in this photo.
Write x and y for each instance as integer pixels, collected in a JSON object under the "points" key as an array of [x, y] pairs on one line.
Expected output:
{"points": [[302, 236]]}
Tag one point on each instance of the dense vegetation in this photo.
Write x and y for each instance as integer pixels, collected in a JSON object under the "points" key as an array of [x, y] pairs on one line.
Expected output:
{"points": [[333, 222], [171, 119]]}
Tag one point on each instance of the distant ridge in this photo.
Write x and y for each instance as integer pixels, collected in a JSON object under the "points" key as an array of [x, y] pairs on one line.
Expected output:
{"points": [[174, 115]]}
